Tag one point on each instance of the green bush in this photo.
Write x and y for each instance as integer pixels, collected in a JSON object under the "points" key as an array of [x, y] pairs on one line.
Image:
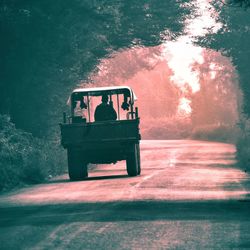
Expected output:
{"points": [[243, 145], [216, 132], [165, 128], [25, 159]]}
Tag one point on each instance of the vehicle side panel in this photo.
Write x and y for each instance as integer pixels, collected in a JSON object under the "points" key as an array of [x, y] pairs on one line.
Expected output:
{"points": [[84, 134]]}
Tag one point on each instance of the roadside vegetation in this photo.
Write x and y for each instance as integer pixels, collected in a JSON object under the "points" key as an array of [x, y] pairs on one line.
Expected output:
{"points": [[236, 44], [25, 159], [243, 145]]}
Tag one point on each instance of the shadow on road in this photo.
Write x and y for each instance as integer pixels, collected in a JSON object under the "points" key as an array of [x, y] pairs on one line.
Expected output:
{"points": [[58, 181], [56, 214], [106, 177], [93, 178]]}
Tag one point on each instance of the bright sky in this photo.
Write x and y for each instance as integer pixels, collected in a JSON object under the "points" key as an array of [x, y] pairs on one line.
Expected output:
{"points": [[173, 61], [182, 54]]}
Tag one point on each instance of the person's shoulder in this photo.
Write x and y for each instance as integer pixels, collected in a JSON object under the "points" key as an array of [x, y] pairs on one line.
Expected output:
{"points": [[111, 107], [99, 105]]}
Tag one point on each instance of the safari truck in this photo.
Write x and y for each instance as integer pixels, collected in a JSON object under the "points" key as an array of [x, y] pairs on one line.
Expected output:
{"points": [[101, 141]]}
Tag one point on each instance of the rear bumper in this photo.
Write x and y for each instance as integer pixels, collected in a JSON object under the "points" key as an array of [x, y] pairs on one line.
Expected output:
{"points": [[105, 152]]}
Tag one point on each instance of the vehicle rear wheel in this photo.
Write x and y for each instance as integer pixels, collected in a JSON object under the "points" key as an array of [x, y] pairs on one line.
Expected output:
{"points": [[139, 158], [132, 161], [77, 167]]}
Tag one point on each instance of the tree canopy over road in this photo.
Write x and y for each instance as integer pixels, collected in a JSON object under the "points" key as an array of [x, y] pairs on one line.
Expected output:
{"points": [[48, 47]]}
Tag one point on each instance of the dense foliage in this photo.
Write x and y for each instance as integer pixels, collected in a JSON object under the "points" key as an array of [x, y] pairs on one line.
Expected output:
{"points": [[25, 159], [47, 47], [234, 40]]}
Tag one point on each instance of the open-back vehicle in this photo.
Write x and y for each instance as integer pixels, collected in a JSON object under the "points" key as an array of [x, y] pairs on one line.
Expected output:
{"points": [[101, 142]]}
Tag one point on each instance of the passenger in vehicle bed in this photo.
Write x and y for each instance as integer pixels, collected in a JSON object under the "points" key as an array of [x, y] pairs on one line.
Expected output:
{"points": [[105, 111]]}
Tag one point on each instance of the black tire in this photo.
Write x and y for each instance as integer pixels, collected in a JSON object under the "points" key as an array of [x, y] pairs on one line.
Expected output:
{"points": [[139, 158], [132, 161], [77, 167]]}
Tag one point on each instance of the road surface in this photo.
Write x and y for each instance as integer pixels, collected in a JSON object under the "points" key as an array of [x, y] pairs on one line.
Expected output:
{"points": [[190, 195]]}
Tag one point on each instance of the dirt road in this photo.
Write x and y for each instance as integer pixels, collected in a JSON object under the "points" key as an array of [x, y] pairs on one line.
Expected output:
{"points": [[191, 195]]}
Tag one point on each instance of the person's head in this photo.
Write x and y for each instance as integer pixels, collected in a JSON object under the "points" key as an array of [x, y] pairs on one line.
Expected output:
{"points": [[105, 98]]}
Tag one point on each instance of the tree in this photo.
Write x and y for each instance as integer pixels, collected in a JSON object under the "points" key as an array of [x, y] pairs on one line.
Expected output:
{"points": [[218, 101], [48, 47], [233, 40]]}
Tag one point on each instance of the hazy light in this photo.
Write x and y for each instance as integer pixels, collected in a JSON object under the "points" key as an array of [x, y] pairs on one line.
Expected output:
{"points": [[181, 56], [184, 108], [169, 77], [203, 21]]}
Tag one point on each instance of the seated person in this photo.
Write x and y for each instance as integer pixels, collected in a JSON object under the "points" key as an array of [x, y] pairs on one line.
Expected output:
{"points": [[105, 111]]}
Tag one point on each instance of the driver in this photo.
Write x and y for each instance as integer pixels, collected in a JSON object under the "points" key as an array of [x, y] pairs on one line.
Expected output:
{"points": [[105, 111]]}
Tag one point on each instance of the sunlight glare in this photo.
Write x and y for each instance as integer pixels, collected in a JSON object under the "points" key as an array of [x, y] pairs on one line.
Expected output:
{"points": [[181, 55], [184, 108]]}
